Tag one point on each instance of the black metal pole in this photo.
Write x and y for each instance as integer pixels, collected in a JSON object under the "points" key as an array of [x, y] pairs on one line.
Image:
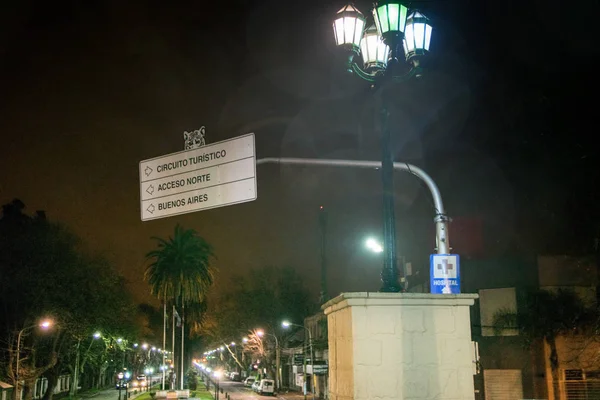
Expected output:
{"points": [[389, 273]]}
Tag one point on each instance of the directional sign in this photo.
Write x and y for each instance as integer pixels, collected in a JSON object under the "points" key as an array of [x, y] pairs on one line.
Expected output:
{"points": [[211, 176], [445, 273]]}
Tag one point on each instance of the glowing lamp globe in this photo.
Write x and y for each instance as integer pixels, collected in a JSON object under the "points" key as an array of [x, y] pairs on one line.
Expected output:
{"points": [[417, 36], [374, 51], [348, 27], [390, 18]]}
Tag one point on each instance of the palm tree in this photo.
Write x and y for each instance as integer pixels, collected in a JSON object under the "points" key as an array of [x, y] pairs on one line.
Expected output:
{"points": [[179, 270], [546, 315]]}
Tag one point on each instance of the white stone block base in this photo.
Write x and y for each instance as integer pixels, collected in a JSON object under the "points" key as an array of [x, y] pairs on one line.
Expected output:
{"points": [[404, 346]]}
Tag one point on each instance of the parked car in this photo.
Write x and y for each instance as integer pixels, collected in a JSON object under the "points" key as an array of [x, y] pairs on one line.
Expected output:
{"points": [[266, 386], [235, 376], [255, 386], [249, 381]]}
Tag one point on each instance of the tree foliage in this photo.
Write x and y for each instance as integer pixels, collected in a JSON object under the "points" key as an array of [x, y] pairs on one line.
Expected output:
{"points": [[180, 268], [45, 273], [544, 316], [262, 299]]}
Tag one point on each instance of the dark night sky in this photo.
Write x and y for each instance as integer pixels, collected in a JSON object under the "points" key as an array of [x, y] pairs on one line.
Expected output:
{"points": [[504, 123]]}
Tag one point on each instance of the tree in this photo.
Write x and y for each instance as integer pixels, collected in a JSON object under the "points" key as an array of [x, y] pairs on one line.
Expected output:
{"points": [[262, 299], [545, 315], [180, 270], [45, 273]]}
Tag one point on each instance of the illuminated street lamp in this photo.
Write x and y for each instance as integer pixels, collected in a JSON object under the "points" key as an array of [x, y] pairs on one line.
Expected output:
{"points": [[45, 324], [373, 245], [75, 385], [380, 50], [287, 324], [261, 333]]}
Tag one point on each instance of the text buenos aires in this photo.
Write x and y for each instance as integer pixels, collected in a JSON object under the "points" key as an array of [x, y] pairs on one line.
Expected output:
{"points": [[191, 161], [201, 198]]}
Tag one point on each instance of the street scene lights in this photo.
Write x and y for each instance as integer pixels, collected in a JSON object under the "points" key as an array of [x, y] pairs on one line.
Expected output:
{"points": [[380, 47], [287, 324], [45, 324]]}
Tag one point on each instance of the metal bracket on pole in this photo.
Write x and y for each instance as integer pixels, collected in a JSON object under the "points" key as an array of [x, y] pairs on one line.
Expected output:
{"points": [[441, 220]]}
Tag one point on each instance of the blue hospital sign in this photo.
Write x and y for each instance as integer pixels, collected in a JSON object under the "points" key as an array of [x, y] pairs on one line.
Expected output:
{"points": [[445, 273]]}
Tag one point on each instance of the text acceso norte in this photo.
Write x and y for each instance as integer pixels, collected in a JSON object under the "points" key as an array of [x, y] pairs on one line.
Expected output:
{"points": [[182, 182], [215, 155]]}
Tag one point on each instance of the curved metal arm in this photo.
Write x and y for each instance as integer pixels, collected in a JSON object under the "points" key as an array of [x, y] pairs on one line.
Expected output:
{"points": [[362, 73], [440, 219], [373, 78]]}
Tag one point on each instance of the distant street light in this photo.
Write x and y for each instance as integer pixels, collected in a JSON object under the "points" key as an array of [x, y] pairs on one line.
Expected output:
{"points": [[45, 324], [287, 324], [373, 245], [261, 333], [75, 384]]}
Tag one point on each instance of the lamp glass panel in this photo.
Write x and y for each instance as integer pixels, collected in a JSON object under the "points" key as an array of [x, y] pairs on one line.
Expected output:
{"points": [[403, 14], [409, 38], [419, 33], [427, 37], [369, 48], [382, 15], [383, 51], [358, 31], [393, 16], [339, 31], [349, 25]]}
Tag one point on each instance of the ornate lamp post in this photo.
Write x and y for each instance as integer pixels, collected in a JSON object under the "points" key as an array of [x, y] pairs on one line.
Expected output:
{"points": [[44, 325], [375, 55]]}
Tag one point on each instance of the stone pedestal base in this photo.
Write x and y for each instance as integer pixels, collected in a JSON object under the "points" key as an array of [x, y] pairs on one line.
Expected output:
{"points": [[400, 346]]}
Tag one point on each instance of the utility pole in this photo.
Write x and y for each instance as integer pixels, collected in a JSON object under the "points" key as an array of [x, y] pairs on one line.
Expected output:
{"points": [[323, 231]]}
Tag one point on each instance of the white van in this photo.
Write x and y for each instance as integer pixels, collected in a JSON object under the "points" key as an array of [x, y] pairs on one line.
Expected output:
{"points": [[266, 386]]}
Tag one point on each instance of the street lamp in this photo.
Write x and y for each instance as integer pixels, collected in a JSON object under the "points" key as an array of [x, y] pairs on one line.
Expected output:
{"points": [[75, 385], [277, 356], [217, 375], [373, 245], [45, 324], [287, 324], [380, 47]]}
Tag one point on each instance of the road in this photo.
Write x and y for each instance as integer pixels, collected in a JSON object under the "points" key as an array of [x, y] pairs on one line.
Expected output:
{"points": [[110, 394], [237, 391]]}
